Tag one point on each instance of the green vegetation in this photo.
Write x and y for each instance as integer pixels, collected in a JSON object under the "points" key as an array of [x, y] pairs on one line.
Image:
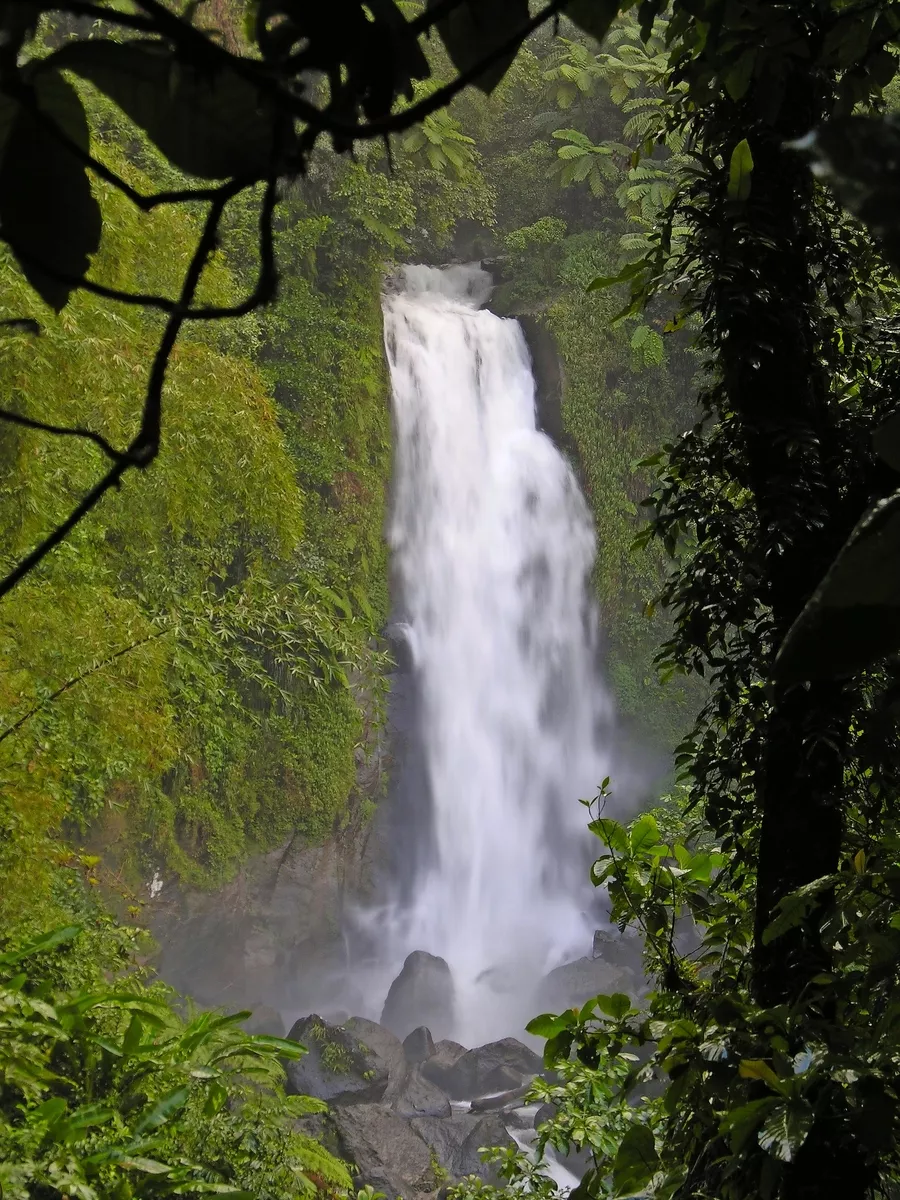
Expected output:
{"points": [[106, 1092], [189, 666]]}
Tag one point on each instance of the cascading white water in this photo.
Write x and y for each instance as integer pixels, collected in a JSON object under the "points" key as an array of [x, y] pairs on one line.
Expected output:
{"points": [[492, 544]]}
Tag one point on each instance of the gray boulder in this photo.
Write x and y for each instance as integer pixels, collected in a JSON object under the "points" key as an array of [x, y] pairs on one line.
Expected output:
{"points": [[572, 984], [489, 1130], [495, 1067], [439, 1067], [418, 1097], [387, 1049], [386, 1151], [418, 1045], [336, 1068], [422, 994], [455, 1142]]}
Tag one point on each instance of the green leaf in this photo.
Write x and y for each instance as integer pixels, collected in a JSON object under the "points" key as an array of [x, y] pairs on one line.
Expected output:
{"points": [[795, 907], [615, 1006], [148, 1165], [558, 1047], [47, 210], [210, 123], [548, 1025], [853, 617], [611, 833], [644, 834], [476, 29], [636, 1161], [741, 1123], [758, 1068], [47, 941], [786, 1129], [629, 271], [740, 170], [163, 1110]]}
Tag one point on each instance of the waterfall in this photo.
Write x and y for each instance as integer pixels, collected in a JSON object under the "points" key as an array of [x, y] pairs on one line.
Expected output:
{"points": [[492, 546]]}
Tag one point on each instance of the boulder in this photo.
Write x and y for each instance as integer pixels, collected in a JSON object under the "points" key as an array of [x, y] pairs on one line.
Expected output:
{"points": [[422, 994], [386, 1151], [488, 1131], [455, 1142], [439, 1067], [445, 1136], [491, 1068], [569, 986], [336, 1068], [501, 1079], [418, 1097], [387, 1049], [418, 1045]]}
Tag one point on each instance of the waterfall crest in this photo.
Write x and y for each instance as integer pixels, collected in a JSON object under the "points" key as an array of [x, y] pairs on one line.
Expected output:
{"points": [[492, 546]]}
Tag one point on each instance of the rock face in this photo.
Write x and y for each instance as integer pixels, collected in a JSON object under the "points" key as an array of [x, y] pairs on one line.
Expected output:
{"points": [[419, 1045], [337, 1068], [391, 1119], [572, 984], [386, 1049], [418, 1097], [495, 1067], [386, 1151], [422, 994], [439, 1066]]}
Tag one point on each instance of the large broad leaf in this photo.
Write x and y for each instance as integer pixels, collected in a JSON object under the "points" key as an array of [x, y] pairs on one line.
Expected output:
{"points": [[163, 1110], [860, 158], [740, 171], [853, 618], [785, 1129], [46, 941], [636, 1162], [477, 29], [210, 123], [47, 211]]}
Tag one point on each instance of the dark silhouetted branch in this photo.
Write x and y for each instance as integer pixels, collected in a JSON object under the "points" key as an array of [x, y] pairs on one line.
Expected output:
{"points": [[90, 435]]}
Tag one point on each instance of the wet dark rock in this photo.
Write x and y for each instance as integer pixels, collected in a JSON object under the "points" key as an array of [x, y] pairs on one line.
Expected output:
{"points": [[488, 1131], [387, 1151], [387, 1050], [501, 1079], [439, 1067], [478, 1071], [573, 983], [456, 1141], [336, 1068], [419, 1097], [419, 1045], [422, 994]]}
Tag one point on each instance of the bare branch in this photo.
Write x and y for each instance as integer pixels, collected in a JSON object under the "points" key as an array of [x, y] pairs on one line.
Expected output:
{"points": [[6, 414], [70, 683], [145, 446]]}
